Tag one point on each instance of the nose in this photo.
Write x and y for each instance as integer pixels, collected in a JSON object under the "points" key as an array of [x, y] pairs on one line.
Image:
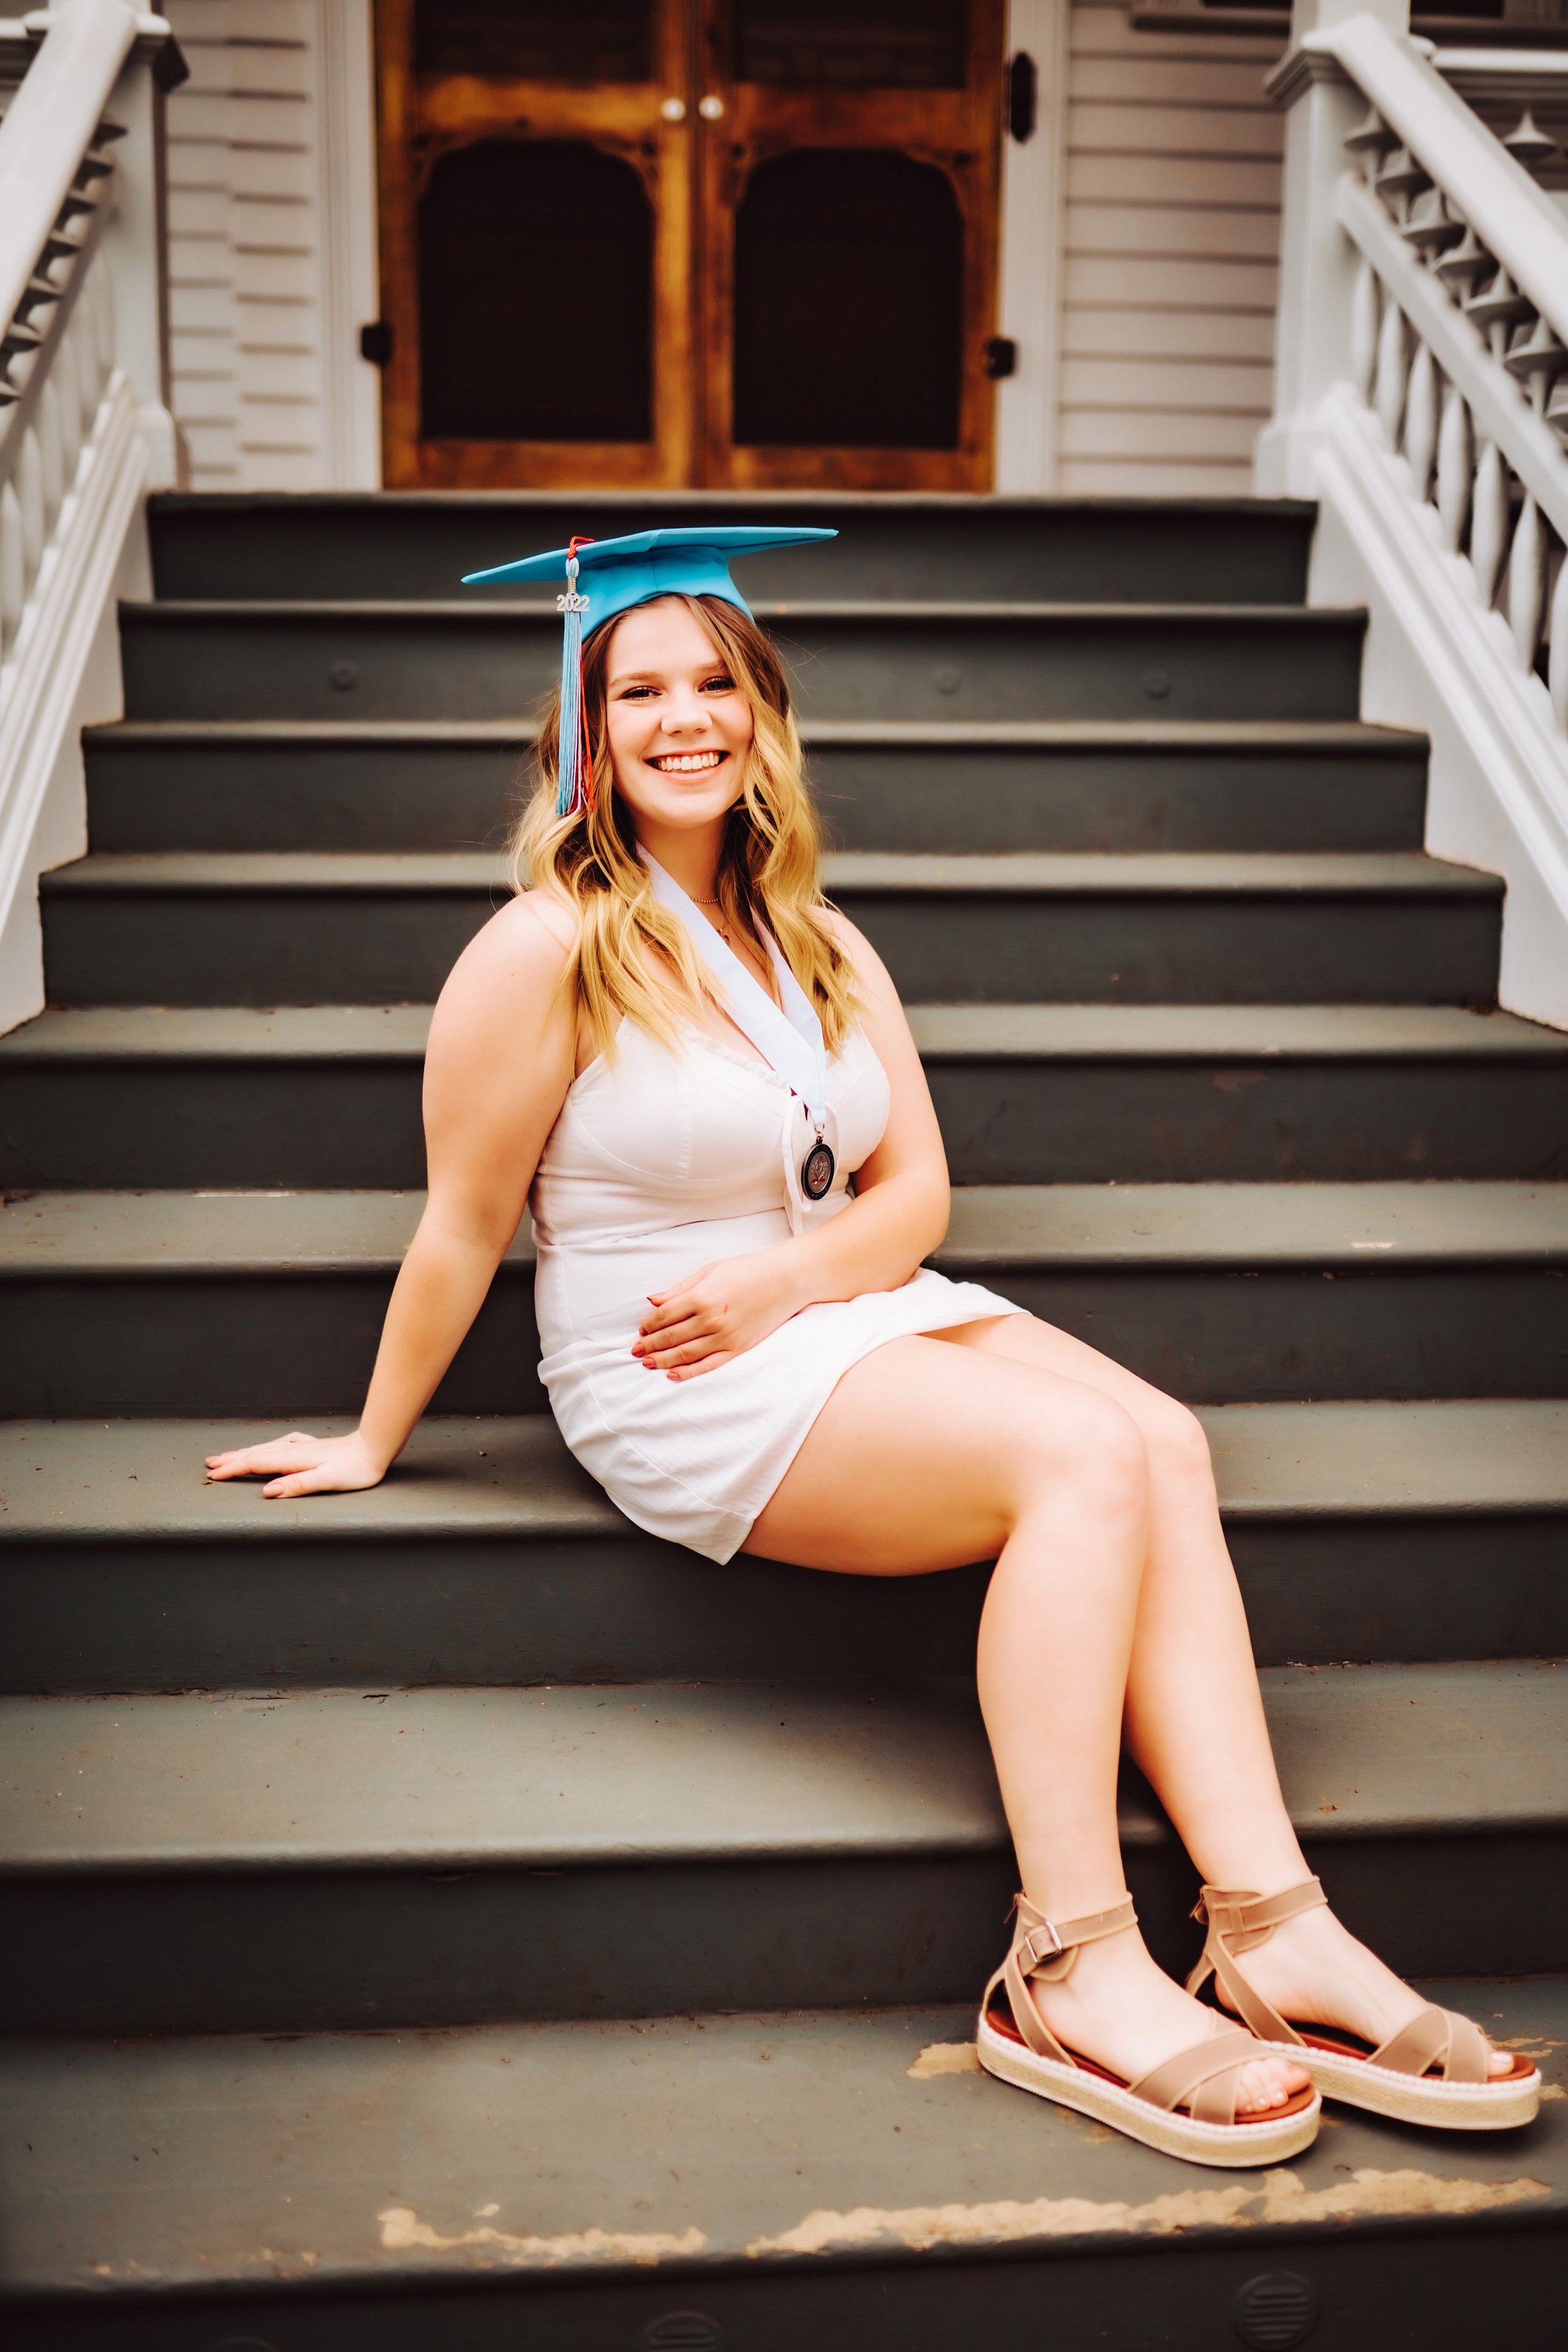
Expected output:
{"points": [[683, 712]]}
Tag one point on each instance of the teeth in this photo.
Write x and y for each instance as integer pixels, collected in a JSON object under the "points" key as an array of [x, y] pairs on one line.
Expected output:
{"points": [[686, 763]]}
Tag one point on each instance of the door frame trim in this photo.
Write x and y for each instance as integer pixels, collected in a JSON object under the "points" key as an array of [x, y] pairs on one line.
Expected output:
{"points": [[1031, 262]]}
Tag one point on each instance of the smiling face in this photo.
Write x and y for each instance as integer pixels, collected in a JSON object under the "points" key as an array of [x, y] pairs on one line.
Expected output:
{"points": [[678, 724]]}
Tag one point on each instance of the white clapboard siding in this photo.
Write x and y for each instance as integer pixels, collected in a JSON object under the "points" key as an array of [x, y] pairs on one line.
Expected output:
{"points": [[1229, 387], [1223, 185], [1170, 238], [1150, 281], [1164, 232], [244, 291], [1187, 436], [1196, 335], [1157, 129]]}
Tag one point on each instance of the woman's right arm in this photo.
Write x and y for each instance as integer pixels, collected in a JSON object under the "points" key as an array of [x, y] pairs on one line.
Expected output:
{"points": [[500, 1058]]}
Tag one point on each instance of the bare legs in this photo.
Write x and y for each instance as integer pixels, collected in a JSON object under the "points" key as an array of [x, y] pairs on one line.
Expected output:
{"points": [[928, 1456], [1113, 1589]]}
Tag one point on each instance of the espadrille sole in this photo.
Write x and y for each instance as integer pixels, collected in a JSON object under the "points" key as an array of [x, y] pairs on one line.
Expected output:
{"points": [[1415, 2098], [1240, 2144]]}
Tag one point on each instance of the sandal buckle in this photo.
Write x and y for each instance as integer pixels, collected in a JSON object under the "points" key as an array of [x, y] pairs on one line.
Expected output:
{"points": [[1052, 1951]]}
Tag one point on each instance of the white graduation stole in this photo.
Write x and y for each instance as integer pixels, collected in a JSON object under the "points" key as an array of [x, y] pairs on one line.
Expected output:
{"points": [[790, 1041]]}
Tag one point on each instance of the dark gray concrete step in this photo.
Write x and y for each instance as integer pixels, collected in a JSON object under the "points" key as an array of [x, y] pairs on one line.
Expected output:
{"points": [[1375, 1532], [329, 1094], [851, 660], [852, 2180], [443, 1857], [998, 785], [179, 1303], [1121, 551], [896, 784], [1122, 785], [266, 927]]}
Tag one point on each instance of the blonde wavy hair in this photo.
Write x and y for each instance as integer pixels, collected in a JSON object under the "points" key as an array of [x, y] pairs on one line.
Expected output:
{"points": [[633, 957]]}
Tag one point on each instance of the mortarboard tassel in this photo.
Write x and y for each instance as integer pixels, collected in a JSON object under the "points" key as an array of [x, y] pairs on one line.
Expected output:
{"points": [[572, 745]]}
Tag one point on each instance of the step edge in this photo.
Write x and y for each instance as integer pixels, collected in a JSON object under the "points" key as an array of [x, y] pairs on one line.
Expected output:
{"points": [[173, 611]]}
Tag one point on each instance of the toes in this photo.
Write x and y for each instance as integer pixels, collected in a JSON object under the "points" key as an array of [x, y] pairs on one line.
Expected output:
{"points": [[1264, 2085]]}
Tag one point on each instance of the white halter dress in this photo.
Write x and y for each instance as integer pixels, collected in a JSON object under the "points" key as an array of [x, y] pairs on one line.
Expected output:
{"points": [[659, 1164]]}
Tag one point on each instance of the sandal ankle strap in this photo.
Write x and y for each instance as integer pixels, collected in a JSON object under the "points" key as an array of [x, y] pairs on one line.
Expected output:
{"points": [[1238, 1921], [1045, 1942], [1047, 1949], [1204, 2079]]}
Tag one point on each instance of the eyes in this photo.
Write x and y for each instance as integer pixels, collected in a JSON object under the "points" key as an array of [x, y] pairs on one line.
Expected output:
{"points": [[718, 681]]}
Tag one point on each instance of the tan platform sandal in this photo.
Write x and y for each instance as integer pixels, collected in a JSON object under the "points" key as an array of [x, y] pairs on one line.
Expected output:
{"points": [[1433, 2071], [1018, 2049]]}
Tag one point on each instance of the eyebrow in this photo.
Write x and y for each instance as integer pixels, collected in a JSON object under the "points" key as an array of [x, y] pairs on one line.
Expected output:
{"points": [[661, 677]]}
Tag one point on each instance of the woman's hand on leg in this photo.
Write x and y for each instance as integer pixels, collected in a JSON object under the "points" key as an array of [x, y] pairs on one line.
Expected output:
{"points": [[301, 1464], [719, 1312]]}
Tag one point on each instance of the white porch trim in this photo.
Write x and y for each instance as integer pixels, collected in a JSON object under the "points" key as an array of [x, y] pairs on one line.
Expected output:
{"points": [[65, 676], [343, 43], [1497, 792], [1030, 264]]}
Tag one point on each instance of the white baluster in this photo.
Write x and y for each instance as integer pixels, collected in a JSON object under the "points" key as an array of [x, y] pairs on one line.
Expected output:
{"points": [[1489, 520], [29, 480], [84, 343], [100, 284], [1557, 649], [1389, 397], [51, 453], [13, 582], [1363, 330], [1455, 467], [1527, 581], [1530, 145], [1421, 419], [67, 375]]}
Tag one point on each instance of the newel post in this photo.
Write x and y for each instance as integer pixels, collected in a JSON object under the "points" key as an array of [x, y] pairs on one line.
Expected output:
{"points": [[1317, 263], [135, 244]]}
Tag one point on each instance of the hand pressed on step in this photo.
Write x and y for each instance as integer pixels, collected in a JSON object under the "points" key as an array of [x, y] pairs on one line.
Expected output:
{"points": [[301, 1464]]}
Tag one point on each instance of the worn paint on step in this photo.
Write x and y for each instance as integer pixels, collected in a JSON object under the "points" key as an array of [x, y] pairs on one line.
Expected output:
{"points": [[1279, 2199]]}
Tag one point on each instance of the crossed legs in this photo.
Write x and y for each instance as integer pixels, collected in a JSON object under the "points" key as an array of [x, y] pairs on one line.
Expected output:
{"points": [[1113, 1604]]}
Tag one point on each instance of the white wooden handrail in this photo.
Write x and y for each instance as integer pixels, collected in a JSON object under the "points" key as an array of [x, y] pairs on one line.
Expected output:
{"points": [[84, 423], [48, 128], [1516, 221], [1459, 329], [1422, 399]]}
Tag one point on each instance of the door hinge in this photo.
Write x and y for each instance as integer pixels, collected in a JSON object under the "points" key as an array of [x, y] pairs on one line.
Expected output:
{"points": [[1023, 95], [999, 357], [375, 343]]}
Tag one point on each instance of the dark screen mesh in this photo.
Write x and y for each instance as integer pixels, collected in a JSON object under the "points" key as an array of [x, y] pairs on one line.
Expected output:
{"points": [[535, 40], [535, 295], [852, 44], [848, 302]]}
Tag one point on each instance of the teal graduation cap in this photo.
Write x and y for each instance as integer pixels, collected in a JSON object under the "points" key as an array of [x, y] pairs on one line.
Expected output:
{"points": [[604, 577]]}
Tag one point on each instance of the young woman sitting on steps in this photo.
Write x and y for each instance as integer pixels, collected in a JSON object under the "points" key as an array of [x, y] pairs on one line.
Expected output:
{"points": [[748, 1366]]}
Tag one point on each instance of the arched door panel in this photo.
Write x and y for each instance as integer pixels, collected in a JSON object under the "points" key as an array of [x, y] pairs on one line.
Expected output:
{"points": [[632, 243], [538, 340], [535, 242], [848, 217], [848, 303]]}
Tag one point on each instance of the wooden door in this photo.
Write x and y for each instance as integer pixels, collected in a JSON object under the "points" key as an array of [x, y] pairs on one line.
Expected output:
{"points": [[846, 217], [535, 188], [633, 243]]}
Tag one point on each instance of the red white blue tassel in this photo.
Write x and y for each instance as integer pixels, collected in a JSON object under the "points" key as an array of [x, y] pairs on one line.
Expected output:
{"points": [[572, 757]]}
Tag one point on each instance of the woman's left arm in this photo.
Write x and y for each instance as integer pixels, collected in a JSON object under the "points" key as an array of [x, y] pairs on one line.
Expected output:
{"points": [[898, 1215]]}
